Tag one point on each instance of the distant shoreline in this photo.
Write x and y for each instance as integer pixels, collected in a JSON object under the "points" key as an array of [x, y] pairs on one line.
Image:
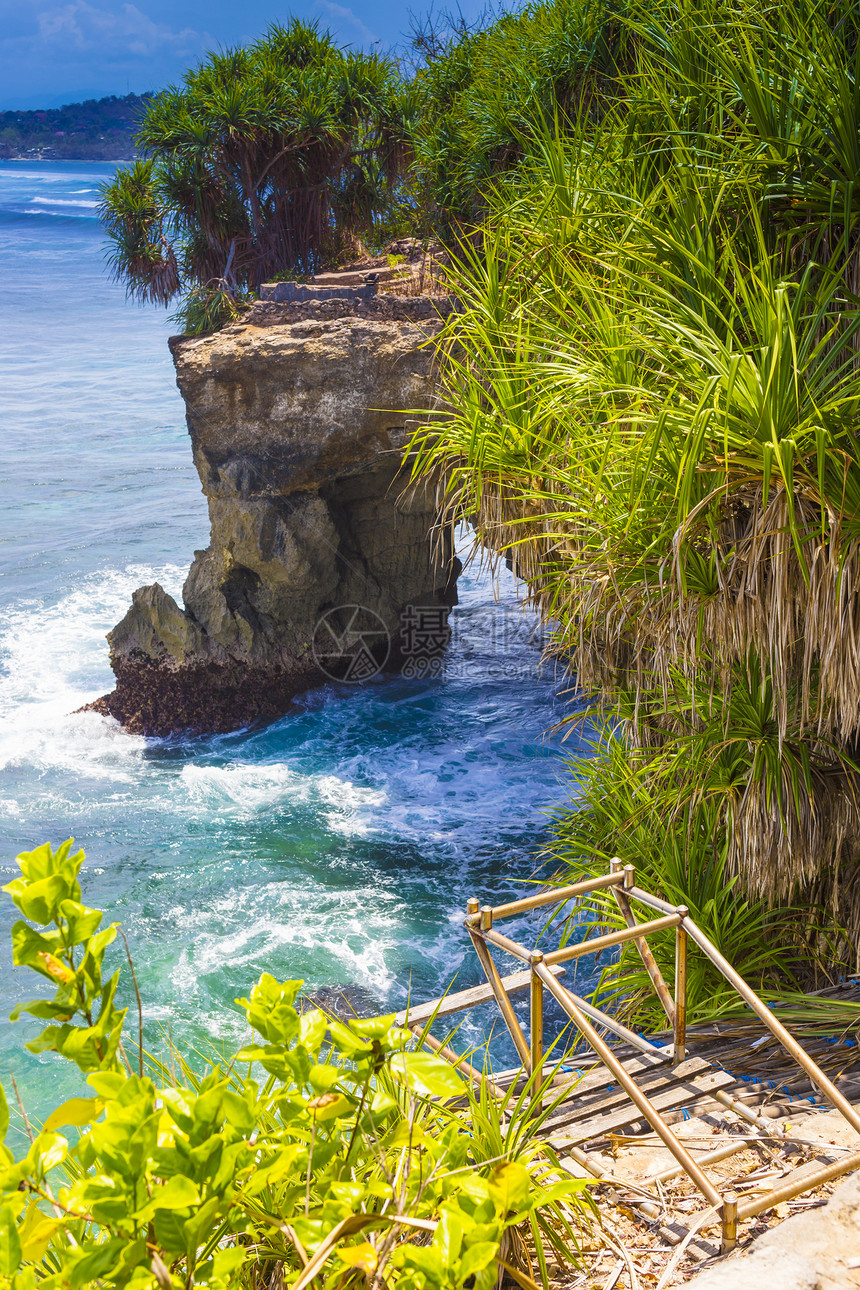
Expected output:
{"points": [[96, 130], [29, 156]]}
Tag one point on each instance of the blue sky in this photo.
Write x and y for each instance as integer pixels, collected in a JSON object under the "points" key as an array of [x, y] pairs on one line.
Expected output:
{"points": [[59, 51]]}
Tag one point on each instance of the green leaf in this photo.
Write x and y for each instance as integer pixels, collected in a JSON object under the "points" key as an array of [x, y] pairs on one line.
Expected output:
{"points": [[10, 1244], [48, 1151], [36, 950], [44, 1010], [35, 1233], [77, 1111], [476, 1258], [81, 921], [108, 1084], [427, 1075], [97, 1262], [4, 1114], [178, 1192], [510, 1185], [270, 1009]]}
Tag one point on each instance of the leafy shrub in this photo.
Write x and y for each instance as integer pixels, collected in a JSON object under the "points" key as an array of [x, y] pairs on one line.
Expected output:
{"points": [[322, 1149], [205, 309]]}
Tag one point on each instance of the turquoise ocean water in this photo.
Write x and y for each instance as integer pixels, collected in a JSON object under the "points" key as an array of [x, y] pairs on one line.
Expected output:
{"points": [[338, 845]]}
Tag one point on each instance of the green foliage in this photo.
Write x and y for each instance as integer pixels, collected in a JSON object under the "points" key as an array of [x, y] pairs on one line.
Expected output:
{"points": [[655, 386], [48, 893], [621, 806], [276, 156], [482, 90], [324, 1149], [206, 309]]}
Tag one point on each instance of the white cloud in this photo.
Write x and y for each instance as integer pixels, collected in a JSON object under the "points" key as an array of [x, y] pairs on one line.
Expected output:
{"points": [[343, 17], [125, 31]]}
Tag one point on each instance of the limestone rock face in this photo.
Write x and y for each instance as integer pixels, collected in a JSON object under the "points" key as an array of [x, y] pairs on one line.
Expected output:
{"points": [[299, 447]]}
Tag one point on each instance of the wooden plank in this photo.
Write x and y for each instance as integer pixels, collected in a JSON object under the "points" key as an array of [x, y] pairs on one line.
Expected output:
{"points": [[463, 999], [682, 1092], [650, 1081], [600, 1078], [595, 1077]]}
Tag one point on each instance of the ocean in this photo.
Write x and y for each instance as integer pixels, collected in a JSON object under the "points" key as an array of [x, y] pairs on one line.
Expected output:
{"points": [[338, 845]]}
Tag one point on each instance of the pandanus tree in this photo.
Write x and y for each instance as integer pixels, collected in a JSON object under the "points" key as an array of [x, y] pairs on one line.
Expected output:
{"points": [[267, 159], [655, 380]]}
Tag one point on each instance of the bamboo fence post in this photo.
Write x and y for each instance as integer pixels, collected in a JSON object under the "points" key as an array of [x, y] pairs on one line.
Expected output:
{"points": [[776, 1028], [622, 900], [536, 1018], [680, 989], [729, 1220], [520, 1042]]}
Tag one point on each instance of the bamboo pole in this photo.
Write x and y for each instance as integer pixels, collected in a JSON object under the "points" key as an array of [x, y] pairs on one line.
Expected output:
{"points": [[660, 986], [597, 943], [632, 1090], [776, 1028], [505, 943], [729, 1220], [520, 1042], [629, 1036], [758, 1204], [556, 895], [680, 988], [536, 1019], [653, 902], [463, 1000]]}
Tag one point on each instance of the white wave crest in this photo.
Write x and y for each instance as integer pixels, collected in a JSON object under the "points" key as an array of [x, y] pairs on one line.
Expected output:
{"points": [[262, 786], [55, 660], [62, 201]]}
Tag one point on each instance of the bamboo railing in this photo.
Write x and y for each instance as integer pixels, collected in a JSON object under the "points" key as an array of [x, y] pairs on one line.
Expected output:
{"points": [[543, 969]]}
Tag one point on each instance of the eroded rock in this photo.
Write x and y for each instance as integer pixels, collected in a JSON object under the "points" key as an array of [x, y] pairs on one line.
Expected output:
{"points": [[299, 449]]}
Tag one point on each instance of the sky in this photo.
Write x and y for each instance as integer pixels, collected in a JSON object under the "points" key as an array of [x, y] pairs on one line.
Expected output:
{"points": [[54, 52]]}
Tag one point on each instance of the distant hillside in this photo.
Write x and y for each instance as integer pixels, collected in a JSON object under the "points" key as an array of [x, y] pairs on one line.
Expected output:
{"points": [[97, 130]]}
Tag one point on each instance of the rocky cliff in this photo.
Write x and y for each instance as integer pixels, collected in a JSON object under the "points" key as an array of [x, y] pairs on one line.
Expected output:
{"points": [[318, 549]]}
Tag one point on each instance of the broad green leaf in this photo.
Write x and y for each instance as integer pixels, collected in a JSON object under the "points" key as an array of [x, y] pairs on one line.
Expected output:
{"points": [[363, 1257], [108, 1084], [178, 1192], [10, 1244], [427, 1075], [82, 922], [475, 1258], [44, 1010], [510, 1184], [329, 1106], [48, 1151], [39, 901], [77, 1111], [95, 1262], [35, 1232]]}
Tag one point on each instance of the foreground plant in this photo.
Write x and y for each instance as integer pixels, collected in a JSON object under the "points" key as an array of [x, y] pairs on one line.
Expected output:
{"points": [[323, 1150]]}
